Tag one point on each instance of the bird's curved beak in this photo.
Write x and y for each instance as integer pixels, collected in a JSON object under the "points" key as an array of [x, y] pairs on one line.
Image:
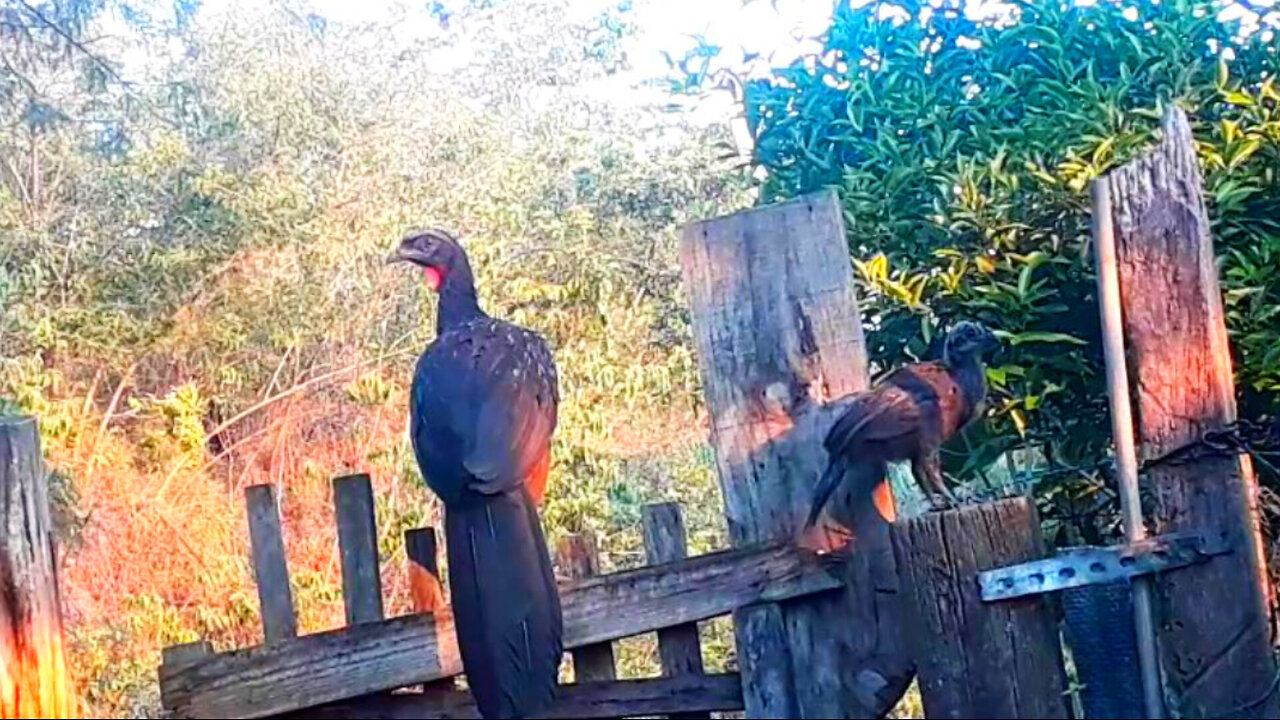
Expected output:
{"points": [[396, 257]]}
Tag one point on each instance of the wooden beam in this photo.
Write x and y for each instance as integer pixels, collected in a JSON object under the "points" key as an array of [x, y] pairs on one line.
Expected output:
{"points": [[1214, 619], [627, 698], [780, 342], [358, 547], [375, 657], [270, 568], [313, 669], [34, 681], [978, 659], [679, 647], [579, 557]]}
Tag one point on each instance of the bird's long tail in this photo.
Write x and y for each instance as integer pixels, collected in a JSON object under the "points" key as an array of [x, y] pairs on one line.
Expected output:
{"points": [[505, 603], [823, 491]]}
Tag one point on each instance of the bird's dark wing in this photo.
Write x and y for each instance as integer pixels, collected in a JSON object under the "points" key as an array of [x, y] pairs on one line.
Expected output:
{"points": [[484, 408]]}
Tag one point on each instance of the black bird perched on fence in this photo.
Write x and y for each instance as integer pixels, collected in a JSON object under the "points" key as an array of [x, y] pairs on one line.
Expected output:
{"points": [[908, 415], [483, 410]]}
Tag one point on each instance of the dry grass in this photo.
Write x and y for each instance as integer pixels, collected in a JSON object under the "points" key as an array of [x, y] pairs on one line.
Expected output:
{"points": [[160, 552]]}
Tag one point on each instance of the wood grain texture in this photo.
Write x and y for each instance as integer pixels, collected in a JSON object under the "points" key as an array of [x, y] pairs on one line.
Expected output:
{"points": [[679, 647], [976, 659], [780, 342], [358, 549], [1214, 619], [313, 669], [374, 657], [270, 568], [34, 681], [628, 698], [579, 557]]}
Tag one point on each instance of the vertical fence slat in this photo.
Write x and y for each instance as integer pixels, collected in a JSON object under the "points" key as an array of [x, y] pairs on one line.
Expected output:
{"points": [[422, 548], [424, 570], [358, 548], [270, 568], [580, 559], [976, 659], [1214, 618], [680, 646]]}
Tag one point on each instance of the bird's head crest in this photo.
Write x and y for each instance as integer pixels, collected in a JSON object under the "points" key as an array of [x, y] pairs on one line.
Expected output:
{"points": [[437, 252], [969, 340]]}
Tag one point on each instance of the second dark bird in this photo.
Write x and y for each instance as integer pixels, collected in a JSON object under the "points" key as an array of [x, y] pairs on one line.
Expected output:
{"points": [[483, 411], [907, 416]]}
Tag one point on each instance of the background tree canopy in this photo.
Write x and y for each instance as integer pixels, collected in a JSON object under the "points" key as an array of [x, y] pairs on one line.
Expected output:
{"points": [[963, 140]]}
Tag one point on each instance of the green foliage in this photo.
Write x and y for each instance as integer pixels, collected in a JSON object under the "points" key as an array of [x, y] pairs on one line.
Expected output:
{"points": [[963, 145]]}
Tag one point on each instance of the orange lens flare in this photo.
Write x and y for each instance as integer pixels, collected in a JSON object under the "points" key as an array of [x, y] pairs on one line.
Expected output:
{"points": [[34, 682]]}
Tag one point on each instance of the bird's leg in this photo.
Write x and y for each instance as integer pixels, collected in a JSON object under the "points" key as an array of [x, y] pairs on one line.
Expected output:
{"points": [[927, 469]]}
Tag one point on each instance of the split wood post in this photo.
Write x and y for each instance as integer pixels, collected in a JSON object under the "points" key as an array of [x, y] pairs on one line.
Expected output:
{"points": [[358, 548], [270, 568], [579, 557], [1214, 618], [34, 682], [780, 339], [977, 659], [679, 647]]}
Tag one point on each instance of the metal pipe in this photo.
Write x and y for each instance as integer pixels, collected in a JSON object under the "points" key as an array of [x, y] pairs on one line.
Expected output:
{"points": [[1104, 243]]}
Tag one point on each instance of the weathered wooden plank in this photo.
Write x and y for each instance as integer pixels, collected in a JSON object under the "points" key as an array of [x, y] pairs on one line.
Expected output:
{"points": [[679, 647], [1214, 621], [579, 557], [977, 659], [365, 659], [314, 669], [780, 341], [358, 548], [187, 653], [34, 682], [627, 698], [270, 568]]}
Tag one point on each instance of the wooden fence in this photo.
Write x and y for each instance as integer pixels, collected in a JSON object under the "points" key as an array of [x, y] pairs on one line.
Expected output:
{"points": [[348, 673]]}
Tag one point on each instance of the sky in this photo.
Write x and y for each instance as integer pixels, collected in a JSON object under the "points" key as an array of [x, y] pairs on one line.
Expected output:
{"points": [[783, 28]]}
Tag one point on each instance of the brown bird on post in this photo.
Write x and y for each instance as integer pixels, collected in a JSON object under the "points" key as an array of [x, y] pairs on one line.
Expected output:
{"points": [[483, 410], [907, 416]]}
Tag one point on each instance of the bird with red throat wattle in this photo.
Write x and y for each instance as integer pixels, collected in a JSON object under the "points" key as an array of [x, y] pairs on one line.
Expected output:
{"points": [[483, 411]]}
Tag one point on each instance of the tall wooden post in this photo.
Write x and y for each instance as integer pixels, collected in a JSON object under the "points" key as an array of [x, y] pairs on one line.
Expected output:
{"points": [[780, 338], [1214, 618], [34, 682], [976, 659]]}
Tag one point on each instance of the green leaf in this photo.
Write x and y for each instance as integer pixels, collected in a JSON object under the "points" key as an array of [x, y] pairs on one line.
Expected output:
{"points": [[1040, 337]]}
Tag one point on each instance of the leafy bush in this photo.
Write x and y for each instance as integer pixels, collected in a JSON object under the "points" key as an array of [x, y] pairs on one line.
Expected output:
{"points": [[962, 144]]}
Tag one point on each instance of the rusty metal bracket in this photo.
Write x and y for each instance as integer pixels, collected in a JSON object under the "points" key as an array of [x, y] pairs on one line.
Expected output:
{"points": [[1077, 567]]}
